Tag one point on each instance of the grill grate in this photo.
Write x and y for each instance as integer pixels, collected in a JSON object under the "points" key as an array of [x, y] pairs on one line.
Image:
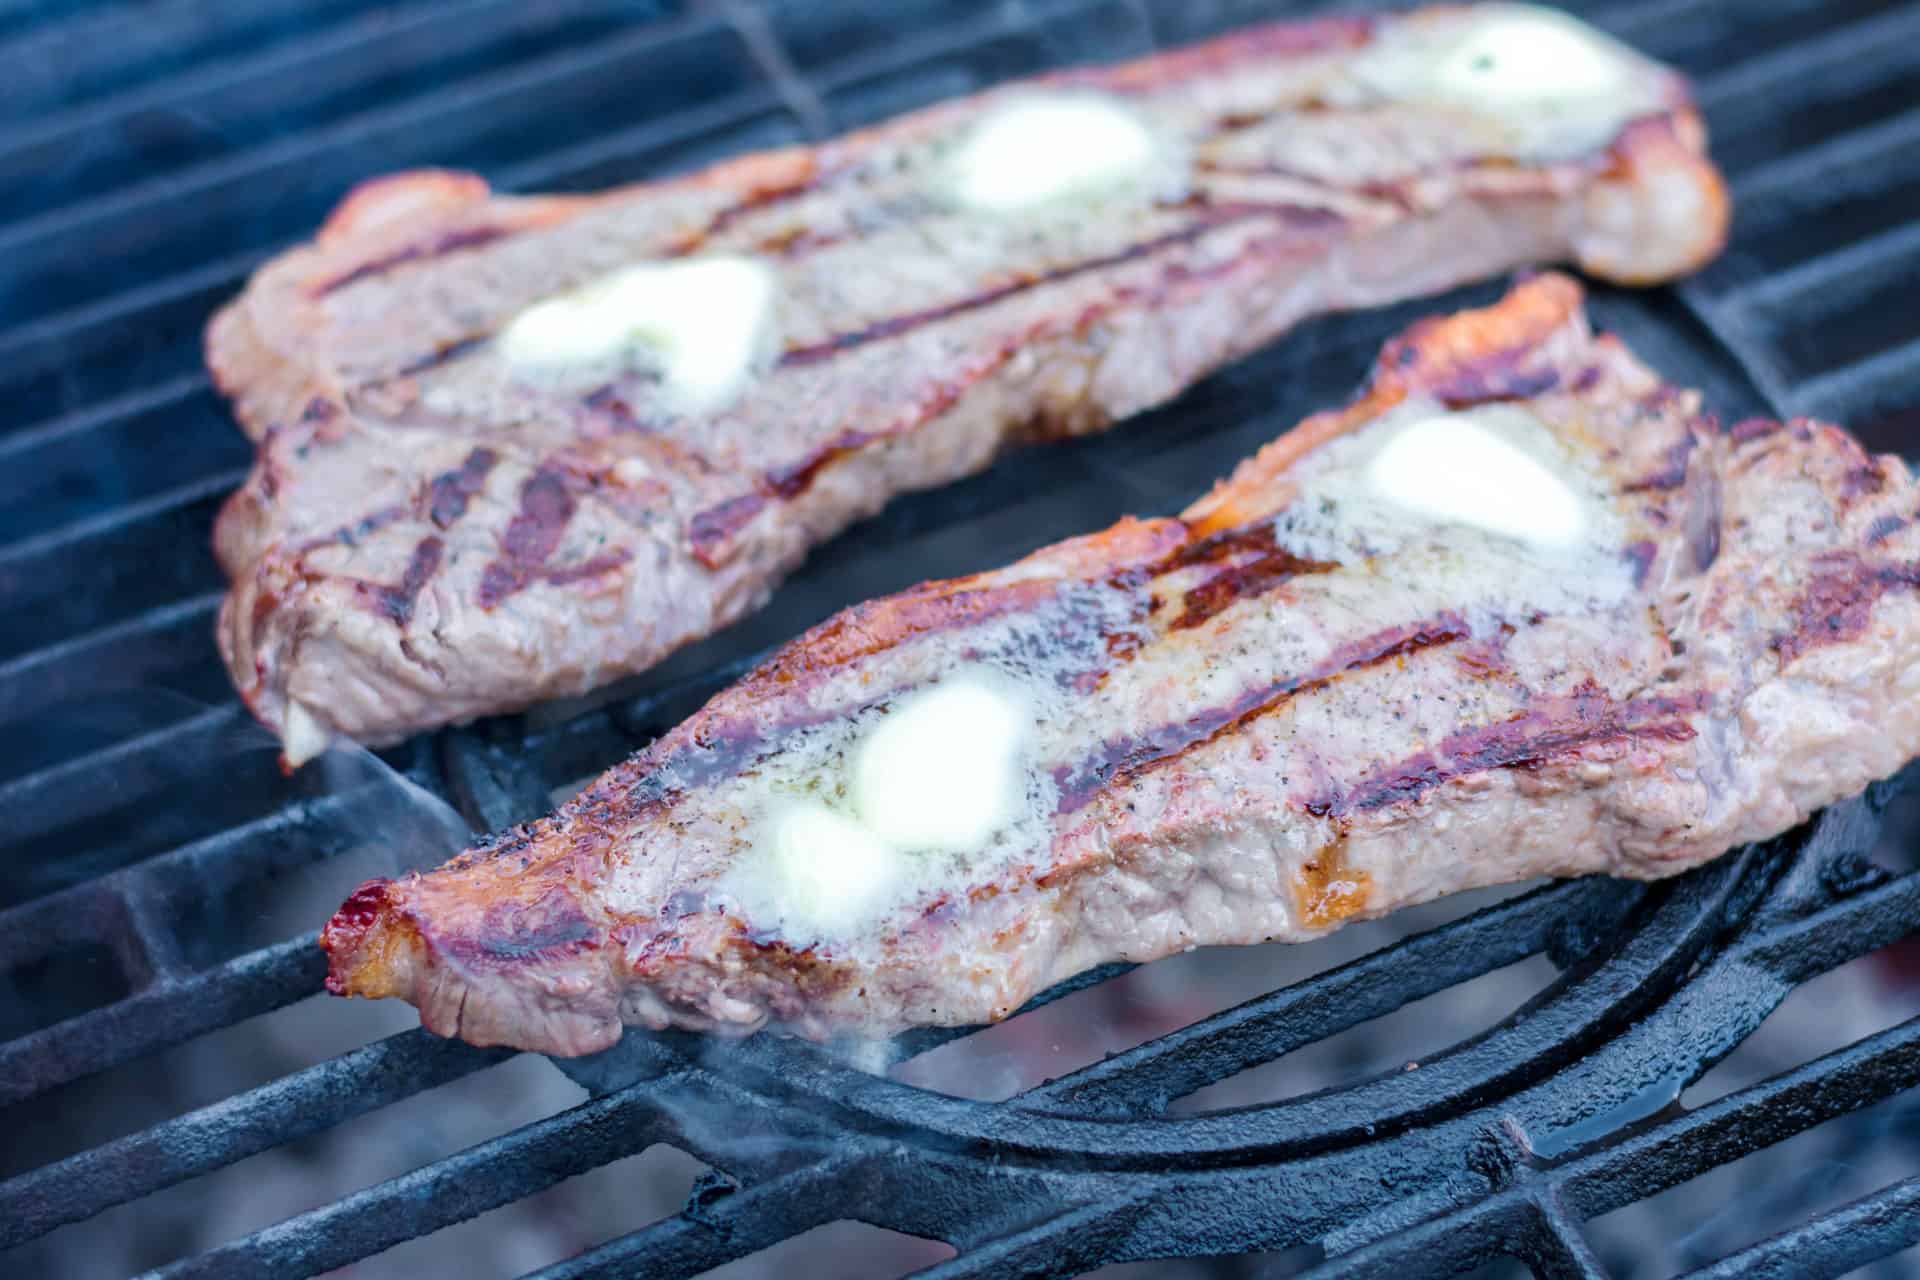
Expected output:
{"points": [[154, 156]]}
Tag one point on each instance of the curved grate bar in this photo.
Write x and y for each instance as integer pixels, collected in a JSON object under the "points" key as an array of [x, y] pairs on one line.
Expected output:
{"points": [[1145, 1079], [1547, 1036], [1503, 1144]]}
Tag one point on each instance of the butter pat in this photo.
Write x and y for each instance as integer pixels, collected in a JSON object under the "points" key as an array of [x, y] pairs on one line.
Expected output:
{"points": [[1036, 150], [828, 871], [1552, 84], [703, 326], [1458, 470], [1520, 58], [941, 773]]}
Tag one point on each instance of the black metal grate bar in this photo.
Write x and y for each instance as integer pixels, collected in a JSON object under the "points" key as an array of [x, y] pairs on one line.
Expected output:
{"points": [[1832, 1244], [115, 448], [1145, 1079], [290, 1108], [1559, 1249], [510, 1167], [159, 1017]]}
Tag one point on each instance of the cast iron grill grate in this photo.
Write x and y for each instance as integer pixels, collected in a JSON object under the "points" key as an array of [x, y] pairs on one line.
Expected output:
{"points": [[152, 156]]}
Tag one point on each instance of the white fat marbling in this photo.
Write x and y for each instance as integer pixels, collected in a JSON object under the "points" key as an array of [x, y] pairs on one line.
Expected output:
{"points": [[303, 736]]}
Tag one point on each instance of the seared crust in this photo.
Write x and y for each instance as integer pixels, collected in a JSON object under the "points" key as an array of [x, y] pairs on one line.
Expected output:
{"points": [[1765, 663], [601, 532]]}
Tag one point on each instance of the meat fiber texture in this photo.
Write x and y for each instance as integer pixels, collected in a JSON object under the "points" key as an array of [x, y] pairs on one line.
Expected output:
{"points": [[428, 536], [1276, 713]]}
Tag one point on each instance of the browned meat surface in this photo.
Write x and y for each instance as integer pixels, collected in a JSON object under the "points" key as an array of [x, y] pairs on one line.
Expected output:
{"points": [[1309, 699], [450, 516]]}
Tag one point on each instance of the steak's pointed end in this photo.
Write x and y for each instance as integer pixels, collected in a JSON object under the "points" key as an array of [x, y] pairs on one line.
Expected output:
{"points": [[532, 989], [369, 947]]}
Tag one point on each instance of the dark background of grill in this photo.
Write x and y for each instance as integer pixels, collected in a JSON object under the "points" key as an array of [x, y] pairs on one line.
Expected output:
{"points": [[152, 154]]}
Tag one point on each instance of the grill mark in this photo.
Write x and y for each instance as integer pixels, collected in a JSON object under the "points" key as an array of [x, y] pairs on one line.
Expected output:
{"points": [[1492, 379], [1838, 603], [1243, 582], [606, 562], [1882, 528], [514, 932], [450, 242], [449, 492], [1122, 760], [756, 201], [1862, 481], [1641, 555], [349, 535], [867, 629], [792, 481], [547, 504], [1754, 429], [713, 526], [442, 355], [1673, 470], [893, 326], [1552, 728], [1395, 192], [395, 602]]}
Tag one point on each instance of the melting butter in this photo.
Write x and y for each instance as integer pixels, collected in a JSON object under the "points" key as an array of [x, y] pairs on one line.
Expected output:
{"points": [[1551, 83], [1036, 150], [853, 817], [702, 325], [941, 771], [1486, 508], [826, 869], [1462, 470]]}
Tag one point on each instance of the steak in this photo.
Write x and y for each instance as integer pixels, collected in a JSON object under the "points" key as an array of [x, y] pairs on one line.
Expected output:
{"points": [[1520, 610], [511, 448]]}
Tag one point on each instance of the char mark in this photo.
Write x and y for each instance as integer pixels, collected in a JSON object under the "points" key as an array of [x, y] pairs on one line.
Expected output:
{"points": [[1550, 729], [755, 201], [395, 602], [1250, 564], [1882, 528], [1640, 555], [710, 529], [532, 536], [1673, 469], [452, 241], [442, 355], [893, 326], [1753, 429], [1839, 601], [451, 491], [1120, 760]]}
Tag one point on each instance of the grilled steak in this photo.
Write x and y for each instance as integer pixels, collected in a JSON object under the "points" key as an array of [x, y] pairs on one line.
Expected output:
{"points": [[1521, 610], [512, 448]]}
